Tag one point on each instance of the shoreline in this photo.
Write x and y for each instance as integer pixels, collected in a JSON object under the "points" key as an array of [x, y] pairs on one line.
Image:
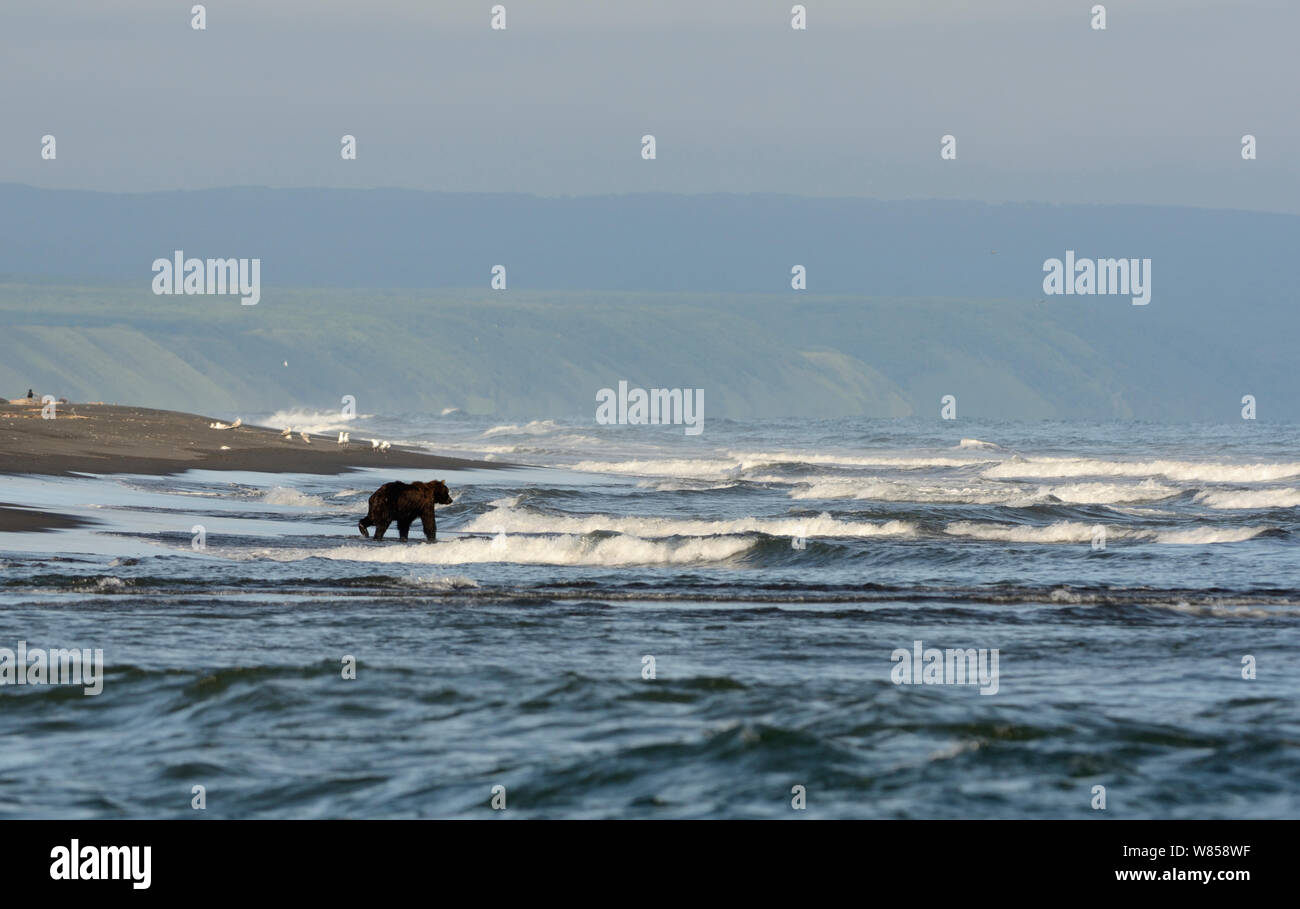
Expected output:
{"points": [[116, 439], [20, 519]]}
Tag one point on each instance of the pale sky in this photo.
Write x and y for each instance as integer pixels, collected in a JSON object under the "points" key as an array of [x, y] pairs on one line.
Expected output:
{"points": [[1043, 107]]}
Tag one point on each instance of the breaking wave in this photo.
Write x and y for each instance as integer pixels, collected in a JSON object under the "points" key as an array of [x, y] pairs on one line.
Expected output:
{"points": [[510, 520], [312, 422], [563, 549], [281, 495], [1000, 494], [1079, 532], [1254, 498], [1179, 471]]}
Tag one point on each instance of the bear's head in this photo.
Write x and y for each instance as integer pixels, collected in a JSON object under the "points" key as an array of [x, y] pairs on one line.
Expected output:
{"points": [[441, 495]]}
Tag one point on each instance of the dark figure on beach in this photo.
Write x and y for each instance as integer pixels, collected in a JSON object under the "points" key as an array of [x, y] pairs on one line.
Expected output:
{"points": [[403, 503], [29, 394]]}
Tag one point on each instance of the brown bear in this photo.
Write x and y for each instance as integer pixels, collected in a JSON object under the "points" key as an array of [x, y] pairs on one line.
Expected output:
{"points": [[403, 503]]}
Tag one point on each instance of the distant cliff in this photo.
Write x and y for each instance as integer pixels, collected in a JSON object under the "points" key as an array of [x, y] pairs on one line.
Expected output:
{"points": [[906, 302], [544, 354]]}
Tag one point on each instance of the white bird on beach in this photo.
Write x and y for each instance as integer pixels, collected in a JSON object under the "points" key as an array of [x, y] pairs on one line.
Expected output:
{"points": [[374, 444], [345, 438], [385, 446], [305, 437], [219, 425], [288, 433]]}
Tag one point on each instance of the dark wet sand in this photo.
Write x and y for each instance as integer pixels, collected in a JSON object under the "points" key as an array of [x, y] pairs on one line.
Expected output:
{"points": [[27, 520], [108, 438]]}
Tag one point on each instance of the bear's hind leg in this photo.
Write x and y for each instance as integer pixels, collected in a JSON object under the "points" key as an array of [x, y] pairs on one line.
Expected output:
{"points": [[363, 524], [380, 528]]}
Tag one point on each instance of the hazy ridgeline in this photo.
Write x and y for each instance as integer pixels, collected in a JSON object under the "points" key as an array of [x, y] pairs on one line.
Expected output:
{"points": [[907, 302]]}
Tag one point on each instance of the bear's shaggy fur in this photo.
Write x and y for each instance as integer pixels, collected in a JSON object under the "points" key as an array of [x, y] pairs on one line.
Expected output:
{"points": [[403, 503]]}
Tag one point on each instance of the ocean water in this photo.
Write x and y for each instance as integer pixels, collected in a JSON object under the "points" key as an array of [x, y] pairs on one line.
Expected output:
{"points": [[1126, 575]]}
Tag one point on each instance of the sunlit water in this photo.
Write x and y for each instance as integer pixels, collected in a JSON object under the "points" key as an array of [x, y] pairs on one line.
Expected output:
{"points": [[1122, 571]]}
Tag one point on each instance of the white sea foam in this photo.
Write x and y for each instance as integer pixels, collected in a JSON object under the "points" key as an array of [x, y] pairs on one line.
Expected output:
{"points": [[1066, 595], [563, 549], [1197, 535], [1058, 532], [1254, 498], [1079, 532], [897, 491], [512, 520], [993, 465], [738, 464], [1111, 493], [312, 422], [748, 460], [1231, 610], [535, 428], [1179, 471], [683, 485], [702, 468], [281, 495], [443, 582], [443, 447], [985, 494]]}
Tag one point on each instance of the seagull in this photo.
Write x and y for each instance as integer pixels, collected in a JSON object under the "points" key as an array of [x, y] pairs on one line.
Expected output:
{"points": [[288, 433], [345, 438], [305, 437], [374, 444], [219, 425], [385, 446]]}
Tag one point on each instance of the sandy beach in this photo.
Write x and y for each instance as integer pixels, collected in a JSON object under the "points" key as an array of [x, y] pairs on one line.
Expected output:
{"points": [[109, 438]]}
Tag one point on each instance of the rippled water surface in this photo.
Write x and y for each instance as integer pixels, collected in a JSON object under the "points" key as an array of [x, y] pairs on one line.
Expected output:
{"points": [[1121, 571]]}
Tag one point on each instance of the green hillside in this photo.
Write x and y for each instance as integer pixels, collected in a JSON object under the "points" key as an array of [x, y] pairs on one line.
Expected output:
{"points": [[525, 354]]}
